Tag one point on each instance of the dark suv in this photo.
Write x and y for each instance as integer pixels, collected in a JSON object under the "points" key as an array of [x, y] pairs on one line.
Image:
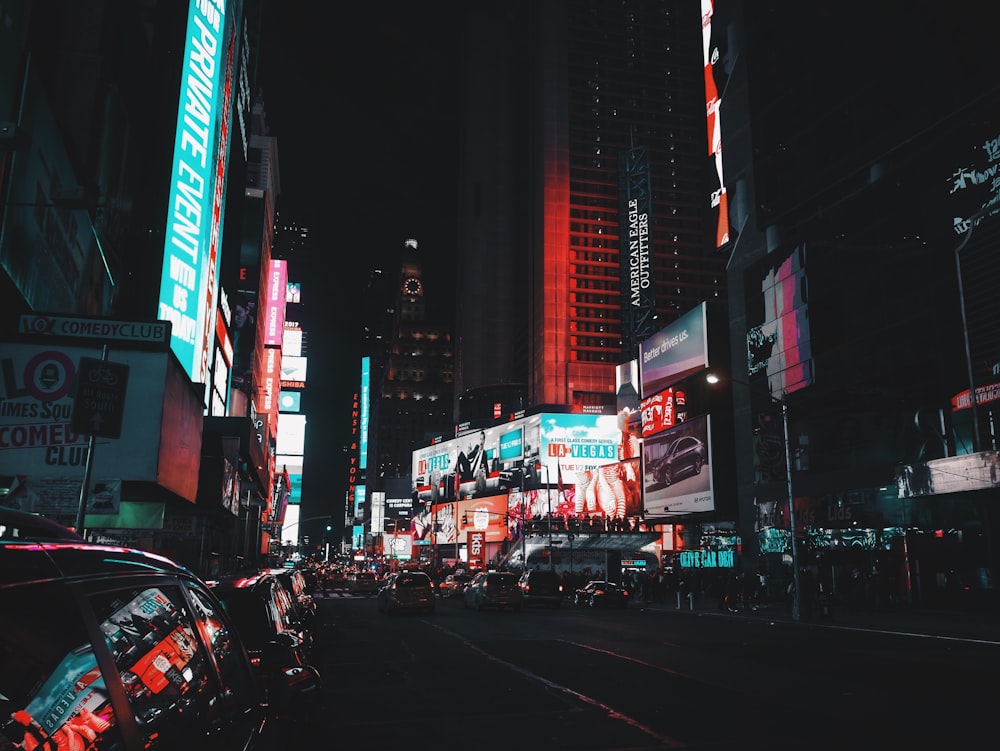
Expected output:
{"points": [[272, 630], [493, 589], [105, 647], [541, 588]]}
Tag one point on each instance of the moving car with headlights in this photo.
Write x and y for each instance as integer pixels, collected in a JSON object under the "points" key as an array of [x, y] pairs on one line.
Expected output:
{"points": [[108, 647], [601, 594], [541, 587], [493, 589], [406, 591], [684, 456], [362, 583]]}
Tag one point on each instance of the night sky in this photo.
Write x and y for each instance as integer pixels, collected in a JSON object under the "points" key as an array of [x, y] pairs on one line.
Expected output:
{"points": [[363, 104]]}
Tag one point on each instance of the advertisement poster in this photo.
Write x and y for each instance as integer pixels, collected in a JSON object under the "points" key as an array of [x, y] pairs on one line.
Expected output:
{"points": [[677, 470]]}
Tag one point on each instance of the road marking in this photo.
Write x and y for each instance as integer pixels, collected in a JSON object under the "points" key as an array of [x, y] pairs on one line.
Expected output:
{"points": [[613, 713]]}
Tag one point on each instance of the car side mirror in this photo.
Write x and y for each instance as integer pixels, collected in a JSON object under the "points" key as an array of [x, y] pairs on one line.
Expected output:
{"points": [[302, 679]]}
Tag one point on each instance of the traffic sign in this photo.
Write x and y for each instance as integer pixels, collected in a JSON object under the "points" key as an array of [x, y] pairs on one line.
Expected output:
{"points": [[100, 397]]}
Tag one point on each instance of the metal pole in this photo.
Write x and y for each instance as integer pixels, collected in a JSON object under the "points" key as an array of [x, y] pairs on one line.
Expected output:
{"points": [[246, 533], [968, 352], [548, 498], [524, 533], [81, 511], [434, 537], [796, 594]]}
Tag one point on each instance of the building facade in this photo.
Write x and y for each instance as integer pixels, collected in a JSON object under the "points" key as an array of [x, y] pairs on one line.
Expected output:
{"points": [[138, 185], [558, 97], [856, 292]]}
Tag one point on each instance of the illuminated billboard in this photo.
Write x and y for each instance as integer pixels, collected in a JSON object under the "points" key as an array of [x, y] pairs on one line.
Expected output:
{"points": [[189, 277], [635, 241], [271, 380], [713, 48], [291, 434], [39, 446], [291, 341], [453, 521], [274, 303], [677, 470], [289, 401], [527, 453], [293, 371], [675, 352], [661, 411], [364, 414], [779, 343]]}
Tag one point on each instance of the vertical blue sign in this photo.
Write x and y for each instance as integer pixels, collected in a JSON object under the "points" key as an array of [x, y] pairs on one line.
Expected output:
{"points": [[185, 281]]}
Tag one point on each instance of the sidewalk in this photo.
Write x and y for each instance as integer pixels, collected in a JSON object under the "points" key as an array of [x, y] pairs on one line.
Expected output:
{"points": [[984, 627]]}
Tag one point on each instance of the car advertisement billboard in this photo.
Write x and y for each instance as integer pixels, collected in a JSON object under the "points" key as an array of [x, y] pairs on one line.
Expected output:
{"points": [[677, 470], [675, 352]]}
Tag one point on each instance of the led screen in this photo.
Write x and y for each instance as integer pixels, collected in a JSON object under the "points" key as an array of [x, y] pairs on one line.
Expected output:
{"points": [[675, 352], [188, 283], [488, 461], [512, 445]]}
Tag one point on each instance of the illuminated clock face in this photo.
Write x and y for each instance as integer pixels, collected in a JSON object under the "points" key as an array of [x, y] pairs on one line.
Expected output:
{"points": [[412, 286]]}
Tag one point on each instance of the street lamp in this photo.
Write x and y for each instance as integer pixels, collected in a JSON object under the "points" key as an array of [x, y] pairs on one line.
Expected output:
{"points": [[782, 401], [973, 222]]}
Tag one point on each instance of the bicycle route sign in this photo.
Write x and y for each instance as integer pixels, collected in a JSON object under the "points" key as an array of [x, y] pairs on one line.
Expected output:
{"points": [[100, 397]]}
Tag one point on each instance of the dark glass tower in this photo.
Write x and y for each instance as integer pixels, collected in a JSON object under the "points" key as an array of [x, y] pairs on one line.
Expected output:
{"points": [[556, 94]]}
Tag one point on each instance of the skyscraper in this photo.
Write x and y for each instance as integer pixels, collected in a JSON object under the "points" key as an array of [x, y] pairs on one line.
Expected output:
{"points": [[411, 372], [558, 96]]}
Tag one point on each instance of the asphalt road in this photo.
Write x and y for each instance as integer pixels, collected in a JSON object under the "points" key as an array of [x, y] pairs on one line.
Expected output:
{"points": [[637, 678]]}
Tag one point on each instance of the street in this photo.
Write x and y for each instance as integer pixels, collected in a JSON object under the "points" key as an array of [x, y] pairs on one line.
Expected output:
{"points": [[577, 678]]}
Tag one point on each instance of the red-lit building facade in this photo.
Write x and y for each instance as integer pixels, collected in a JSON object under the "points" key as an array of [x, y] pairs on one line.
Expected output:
{"points": [[581, 89]]}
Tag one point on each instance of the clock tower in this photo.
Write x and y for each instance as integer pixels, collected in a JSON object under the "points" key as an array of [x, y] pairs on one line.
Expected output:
{"points": [[410, 292], [415, 382]]}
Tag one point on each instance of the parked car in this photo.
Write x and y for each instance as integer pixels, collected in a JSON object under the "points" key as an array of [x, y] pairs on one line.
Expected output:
{"points": [[684, 456], [601, 594], [406, 591], [541, 587], [493, 589], [362, 583], [302, 593], [16, 524], [453, 585], [108, 647], [275, 637]]}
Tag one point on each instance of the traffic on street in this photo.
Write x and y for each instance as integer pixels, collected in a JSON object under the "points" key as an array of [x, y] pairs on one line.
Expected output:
{"points": [[642, 676]]}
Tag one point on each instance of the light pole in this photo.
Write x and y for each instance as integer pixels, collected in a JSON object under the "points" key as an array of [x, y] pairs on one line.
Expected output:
{"points": [[973, 222], [782, 401], [548, 497], [796, 594]]}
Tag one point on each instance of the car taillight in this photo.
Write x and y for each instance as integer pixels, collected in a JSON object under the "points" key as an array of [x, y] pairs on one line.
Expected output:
{"points": [[255, 659]]}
